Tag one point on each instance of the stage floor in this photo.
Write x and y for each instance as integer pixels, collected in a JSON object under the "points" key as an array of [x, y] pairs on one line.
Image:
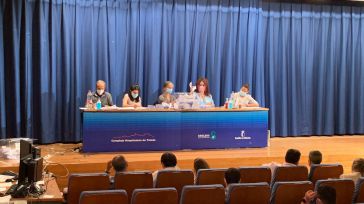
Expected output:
{"points": [[342, 149]]}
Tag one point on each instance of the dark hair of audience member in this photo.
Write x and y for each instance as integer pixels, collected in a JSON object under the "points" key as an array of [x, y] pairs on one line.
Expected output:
{"points": [[168, 159], [232, 175], [293, 156]]}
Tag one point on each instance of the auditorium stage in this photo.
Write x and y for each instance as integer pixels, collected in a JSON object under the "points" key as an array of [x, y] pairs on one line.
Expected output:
{"points": [[342, 149]]}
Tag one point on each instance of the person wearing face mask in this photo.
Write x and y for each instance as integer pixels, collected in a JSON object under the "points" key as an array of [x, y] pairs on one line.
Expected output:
{"points": [[132, 97], [166, 96], [202, 93], [244, 99], [100, 93]]}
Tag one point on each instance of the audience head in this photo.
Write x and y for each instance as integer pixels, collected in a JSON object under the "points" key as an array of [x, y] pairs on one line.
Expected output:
{"points": [[358, 166], [168, 159], [326, 195], [200, 164], [293, 156], [315, 157], [202, 86], [232, 175], [119, 163]]}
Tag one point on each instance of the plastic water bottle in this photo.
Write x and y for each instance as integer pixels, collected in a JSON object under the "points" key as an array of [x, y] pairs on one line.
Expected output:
{"points": [[98, 105], [227, 103], [231, 101], [89, 99]]}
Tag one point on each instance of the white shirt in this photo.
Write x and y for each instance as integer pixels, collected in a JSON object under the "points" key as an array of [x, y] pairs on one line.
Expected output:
{"points": [[245, 100]]}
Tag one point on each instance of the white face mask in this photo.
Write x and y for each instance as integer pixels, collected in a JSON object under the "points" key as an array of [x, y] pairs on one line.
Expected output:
{"points": [[100, 91]]}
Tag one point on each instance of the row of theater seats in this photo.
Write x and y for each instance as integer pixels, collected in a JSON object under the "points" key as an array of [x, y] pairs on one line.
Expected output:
{"points": [[287, 185]]}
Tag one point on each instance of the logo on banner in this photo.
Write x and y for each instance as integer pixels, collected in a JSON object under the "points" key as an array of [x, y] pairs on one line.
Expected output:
{"points": [[135, 137], [211, 136], [243, 136]]}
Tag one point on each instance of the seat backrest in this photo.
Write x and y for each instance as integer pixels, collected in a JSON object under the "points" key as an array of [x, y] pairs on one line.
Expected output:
{"points": [[325, 171], [255, 174], [289, 191], [359, 191], [290, 173], [129, 181], [344, 189], [211, 176], [85, 182], [174, 178], [104, 196], [155, 196], [203, 194], [254, 193]]}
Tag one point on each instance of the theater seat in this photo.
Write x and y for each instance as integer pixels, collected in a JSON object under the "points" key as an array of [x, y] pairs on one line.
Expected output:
{"points": [[211, 176], [203, 194], [129, 181], [78, 183], [344, 189], [325, 171], [174, 178], [104, 196], [289, 191], [290, 173], [255, 174], [252, 193], [155, 196], [359, 191]]}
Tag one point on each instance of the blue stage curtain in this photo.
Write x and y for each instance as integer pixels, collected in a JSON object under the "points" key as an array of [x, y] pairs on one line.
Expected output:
{"points": [[304, 62]]}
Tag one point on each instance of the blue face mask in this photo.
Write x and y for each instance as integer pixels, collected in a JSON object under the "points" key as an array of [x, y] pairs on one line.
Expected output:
{"points": [[169, 90], [134, 95], [242, 94]]}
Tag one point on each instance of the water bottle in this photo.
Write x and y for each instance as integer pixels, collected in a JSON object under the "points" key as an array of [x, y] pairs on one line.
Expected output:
{"points": [[98, 105], [89, 99], [231, 100], [227, 103]]}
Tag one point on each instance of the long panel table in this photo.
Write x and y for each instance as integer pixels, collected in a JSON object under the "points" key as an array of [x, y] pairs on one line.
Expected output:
{"points": [[166, 129]]}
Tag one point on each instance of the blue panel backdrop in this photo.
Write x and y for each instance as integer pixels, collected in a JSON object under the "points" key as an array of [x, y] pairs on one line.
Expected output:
{"points": [[304, 62]]}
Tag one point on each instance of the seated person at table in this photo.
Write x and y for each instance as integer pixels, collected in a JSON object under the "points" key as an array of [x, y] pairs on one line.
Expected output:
{"points": [[168, 162], [166, 96], [243, 99], [132, 98], [100, 93], [202, 93]]}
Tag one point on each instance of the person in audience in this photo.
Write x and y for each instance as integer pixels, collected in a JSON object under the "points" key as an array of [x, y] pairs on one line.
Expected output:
{"points": [[117, 164], [168, 162], [100, 94], [244, 99], [232, 175], [132, 98], [323, 195], [166, 96], [199, 163], [357, 170], [292, 158], [202, 93], [314, 157]]}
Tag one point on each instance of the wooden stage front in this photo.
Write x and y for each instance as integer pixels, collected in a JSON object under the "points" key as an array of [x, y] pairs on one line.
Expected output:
{"points": [[63, 158]]}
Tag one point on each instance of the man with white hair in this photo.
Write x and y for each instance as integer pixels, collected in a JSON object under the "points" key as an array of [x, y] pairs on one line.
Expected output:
{"points": [[100, 93]]}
